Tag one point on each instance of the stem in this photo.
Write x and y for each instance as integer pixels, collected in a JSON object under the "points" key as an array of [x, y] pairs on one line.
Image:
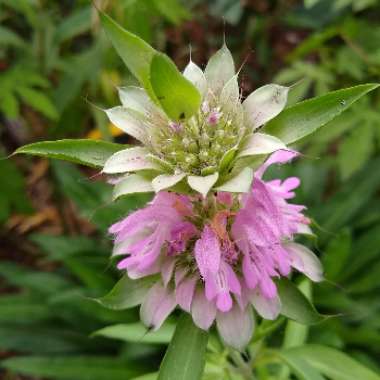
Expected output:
{"points": [[244, 367]]}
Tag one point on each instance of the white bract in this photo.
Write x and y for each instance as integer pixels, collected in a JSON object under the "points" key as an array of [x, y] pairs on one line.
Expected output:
{"points": [[203, 152]]}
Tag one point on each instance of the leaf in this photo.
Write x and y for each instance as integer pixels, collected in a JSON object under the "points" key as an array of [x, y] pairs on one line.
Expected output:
{"points": [[69, 368], [21, 276], [92, 153], [135, 52], [341, 208], [355, 150], [332, 363], [178, 97], [336, 255], [41, 340], [39, 101], [173, 10], [8, 37], [368, 243], [137, 332], [23, 308], [13, 195], [295, 305], [296, 333], [185, 356], [304, 118], [77, 23], [299, 367], [127, 293], [149, 376]]}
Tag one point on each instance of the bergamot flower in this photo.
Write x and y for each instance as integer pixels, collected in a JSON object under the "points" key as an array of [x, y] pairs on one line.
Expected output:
{"points": [[218, 258], [216, 148]]}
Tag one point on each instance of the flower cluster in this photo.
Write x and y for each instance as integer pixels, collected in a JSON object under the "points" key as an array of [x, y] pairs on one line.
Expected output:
{"points": [[218, 257], [205, 151]]}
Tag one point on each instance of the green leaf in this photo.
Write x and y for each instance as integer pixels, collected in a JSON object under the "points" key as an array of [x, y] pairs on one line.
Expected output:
{"points": [[21, 276], [185, 356], [301, 368], [39, 101], [127, 293], [92, 153], [332, 363], [355, 150], [149, 376], [296, 333], [137, 332], [77, 23], [345, 205], [336, 255], [41, 340], [178, 97], [173, 10], [295, 305], [135, 52], [23, 308], [69, 368], [304, 118]]}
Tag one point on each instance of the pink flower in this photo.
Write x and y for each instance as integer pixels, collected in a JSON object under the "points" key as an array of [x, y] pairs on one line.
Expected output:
{"points": [[218, 258]]}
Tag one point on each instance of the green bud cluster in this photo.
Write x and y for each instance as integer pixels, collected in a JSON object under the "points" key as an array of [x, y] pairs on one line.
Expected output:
{"points": [[196, 146]]}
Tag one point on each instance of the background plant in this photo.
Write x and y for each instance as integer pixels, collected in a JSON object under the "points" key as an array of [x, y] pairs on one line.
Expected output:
{"points": [[53, 57]]}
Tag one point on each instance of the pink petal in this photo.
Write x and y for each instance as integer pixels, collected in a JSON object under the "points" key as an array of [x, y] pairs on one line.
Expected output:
{"points": [[279, 157], [207, 252]]}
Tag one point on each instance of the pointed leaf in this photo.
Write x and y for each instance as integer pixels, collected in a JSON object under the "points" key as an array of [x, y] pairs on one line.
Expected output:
{"points": [[134, 51], [68, 367], [334, 364], [295, 305], [178, 97], [137, 332], [301, 368], [127, 293], [306, 117], [92, 153], [185, 356]]}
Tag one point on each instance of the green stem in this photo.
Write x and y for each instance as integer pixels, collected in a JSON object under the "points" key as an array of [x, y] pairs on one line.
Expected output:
{"points": [[244, 367]]}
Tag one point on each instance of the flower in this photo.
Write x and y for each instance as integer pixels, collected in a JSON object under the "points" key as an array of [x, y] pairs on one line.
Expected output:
{"points": [[217, 258], [205, 151]]}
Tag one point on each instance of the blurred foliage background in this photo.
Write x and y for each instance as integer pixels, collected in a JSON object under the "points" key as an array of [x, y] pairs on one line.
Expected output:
{"points": [[57, 72]]}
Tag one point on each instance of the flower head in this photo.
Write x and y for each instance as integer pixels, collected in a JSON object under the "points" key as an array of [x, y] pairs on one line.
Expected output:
{"points": [[204, 151], [218, 258]]}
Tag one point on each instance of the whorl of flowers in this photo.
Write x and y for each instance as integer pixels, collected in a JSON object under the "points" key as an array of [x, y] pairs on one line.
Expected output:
{"points": [[218, 257], [205, 151]]}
